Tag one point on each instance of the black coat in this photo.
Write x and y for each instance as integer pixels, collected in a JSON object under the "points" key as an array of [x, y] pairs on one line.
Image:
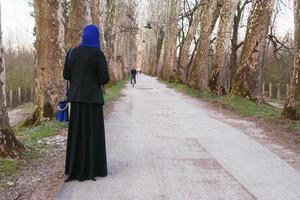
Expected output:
{"points": [[87, 71]]}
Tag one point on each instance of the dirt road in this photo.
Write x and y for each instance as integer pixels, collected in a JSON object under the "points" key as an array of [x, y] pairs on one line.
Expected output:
{"points": [[19, 114], [163, 145]]}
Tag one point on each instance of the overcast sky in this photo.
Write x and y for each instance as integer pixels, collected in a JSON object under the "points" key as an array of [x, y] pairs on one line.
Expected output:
{"points": [[17, 24]]}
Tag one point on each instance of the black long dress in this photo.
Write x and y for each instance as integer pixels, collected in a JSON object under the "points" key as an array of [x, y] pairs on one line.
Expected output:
{"points": [[86, 69]]}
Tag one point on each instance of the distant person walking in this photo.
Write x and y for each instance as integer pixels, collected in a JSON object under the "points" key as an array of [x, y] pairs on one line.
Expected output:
{"points": [[86, 69], [133, 75]]}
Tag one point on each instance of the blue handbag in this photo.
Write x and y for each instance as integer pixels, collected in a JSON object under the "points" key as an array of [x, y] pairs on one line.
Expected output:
{"points": [[62, 113]]}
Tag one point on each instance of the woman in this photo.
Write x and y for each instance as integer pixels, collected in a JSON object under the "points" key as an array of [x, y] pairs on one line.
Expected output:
{"points": [[86, 69]]}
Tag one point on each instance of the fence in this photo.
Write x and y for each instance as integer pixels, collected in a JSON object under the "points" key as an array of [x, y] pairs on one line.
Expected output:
{"points": [[19, 96], [275, 92], [271, 92]]}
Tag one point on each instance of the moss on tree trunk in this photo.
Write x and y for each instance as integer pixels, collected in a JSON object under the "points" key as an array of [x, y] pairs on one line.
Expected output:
{"points": [[39, 115], [239, 90], [50, 54]]}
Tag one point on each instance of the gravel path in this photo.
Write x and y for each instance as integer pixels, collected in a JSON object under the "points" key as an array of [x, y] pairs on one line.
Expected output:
{"points": [[163, 145]]}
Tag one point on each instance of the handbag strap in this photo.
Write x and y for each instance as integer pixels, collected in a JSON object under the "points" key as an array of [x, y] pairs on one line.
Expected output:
{"points": [[62, 109], [69, 62]]}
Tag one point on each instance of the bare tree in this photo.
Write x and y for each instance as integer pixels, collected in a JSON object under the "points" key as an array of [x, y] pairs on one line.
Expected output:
{"points": [[235, 46], [9, 145], [199, 74], [119, 30], [187, 41], [80, 16], [153, 36], [49, 59], [248, 79], [292, 105], [169, 59], [220, 69]]}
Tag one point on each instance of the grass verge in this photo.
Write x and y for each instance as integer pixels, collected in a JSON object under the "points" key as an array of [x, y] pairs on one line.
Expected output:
{"points": [[113, 92], [239, 105], [7, 167], [30, 137]]}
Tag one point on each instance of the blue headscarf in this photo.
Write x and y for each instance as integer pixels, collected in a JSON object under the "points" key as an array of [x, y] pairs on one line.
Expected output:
{"points": [[91, 37]]}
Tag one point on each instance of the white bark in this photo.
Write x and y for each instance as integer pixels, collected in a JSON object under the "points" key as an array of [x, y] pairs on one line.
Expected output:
{"points": [[9, 145]]}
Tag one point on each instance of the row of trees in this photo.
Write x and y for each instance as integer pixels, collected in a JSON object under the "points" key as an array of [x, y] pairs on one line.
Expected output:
{"points": [[59, 24], [58, 27], [201, 43], [195, 42], [19, 63]]}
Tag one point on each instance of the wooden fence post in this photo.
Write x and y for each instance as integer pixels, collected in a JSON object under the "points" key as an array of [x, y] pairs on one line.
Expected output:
{"points": [[278, 91], [31, 94], [11, 98], [19, 96], [25, 95], [270, 90], [263, 89], [287, 90]]}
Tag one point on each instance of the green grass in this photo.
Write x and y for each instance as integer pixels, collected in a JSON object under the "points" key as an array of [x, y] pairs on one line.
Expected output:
{"points": [[240, 105], [44, 130], [35, 134], [113, 91], [249, 108], [7, 167], [30, 137]]}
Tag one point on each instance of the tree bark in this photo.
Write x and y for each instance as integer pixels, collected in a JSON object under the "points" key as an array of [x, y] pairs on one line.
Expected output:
{"points": [[9, 145], [159, 46], [234, 44], [80, 16], [198, 76], [220, 69], [153, 37], [292, 105], [247, 81], [95, 12], [50, 45], [186, 44], [169, 67]]}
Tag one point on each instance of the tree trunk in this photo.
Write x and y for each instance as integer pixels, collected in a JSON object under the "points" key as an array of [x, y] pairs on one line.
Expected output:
{"points": [[159, 45], [234, 44], [95, 12], [292, 105], [153, 37], [247, 81], [9, 145], [110, 16], [168, 69], [198, 76], [49, 84], [80, 16], [186, 44], [220, 70]]}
